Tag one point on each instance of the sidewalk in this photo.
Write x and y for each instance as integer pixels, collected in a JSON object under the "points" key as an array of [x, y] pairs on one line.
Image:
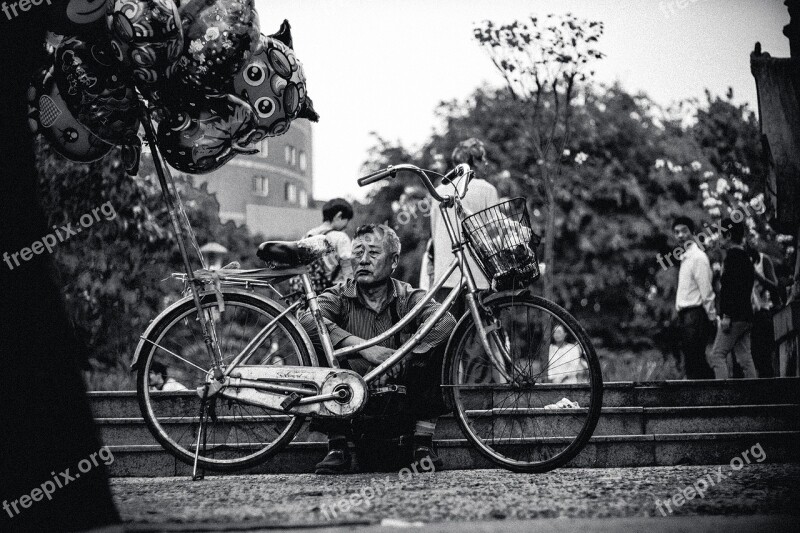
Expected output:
{"points": [[486, 499]]}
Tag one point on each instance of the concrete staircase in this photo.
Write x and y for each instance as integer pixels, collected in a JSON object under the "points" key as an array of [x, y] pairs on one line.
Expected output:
{"points": [[642, 424]]}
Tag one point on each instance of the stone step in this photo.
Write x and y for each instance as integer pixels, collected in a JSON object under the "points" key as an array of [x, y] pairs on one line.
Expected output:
{"points": [[123, 404], [600, 452], [544, 422]]}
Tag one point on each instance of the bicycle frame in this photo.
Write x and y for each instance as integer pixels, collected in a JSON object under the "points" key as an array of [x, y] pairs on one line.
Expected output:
{"points": [[467, 281], [496, 350]]}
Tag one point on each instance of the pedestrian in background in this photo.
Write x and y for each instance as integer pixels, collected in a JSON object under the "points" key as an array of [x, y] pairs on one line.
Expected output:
{"points": [[480, 195], [765, 299], [694, 301], [336, 215], [735, 306]]}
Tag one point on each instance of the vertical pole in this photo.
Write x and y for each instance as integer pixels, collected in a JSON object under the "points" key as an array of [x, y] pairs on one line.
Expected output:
{"points": [[792, 30], [161, 170]]}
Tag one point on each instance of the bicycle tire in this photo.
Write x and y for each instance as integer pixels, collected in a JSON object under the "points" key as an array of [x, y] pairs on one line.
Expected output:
{"points": [[185, 309], [450, 374]]}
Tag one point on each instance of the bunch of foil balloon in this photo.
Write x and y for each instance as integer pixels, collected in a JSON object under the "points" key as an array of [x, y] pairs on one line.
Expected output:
{"points": [[201, 69]]}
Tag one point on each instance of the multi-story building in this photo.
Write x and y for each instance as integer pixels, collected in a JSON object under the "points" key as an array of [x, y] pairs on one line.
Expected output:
{"points": [[270, 191]]}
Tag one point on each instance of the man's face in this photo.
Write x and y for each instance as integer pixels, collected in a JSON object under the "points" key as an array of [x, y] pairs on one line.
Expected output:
{"points": [[156, 380], [727, 240], [372, 264], [339, 223], [681, 233]]}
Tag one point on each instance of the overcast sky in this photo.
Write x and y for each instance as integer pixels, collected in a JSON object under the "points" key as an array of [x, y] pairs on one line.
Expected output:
{"points": [[384, 65]]}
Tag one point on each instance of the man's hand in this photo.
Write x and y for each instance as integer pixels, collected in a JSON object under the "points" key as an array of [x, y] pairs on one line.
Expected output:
{"points": [[724, 323], [376, 354]]}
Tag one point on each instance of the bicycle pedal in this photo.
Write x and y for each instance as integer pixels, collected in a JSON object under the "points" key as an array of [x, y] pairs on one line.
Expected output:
{"points": [[290, 401]]}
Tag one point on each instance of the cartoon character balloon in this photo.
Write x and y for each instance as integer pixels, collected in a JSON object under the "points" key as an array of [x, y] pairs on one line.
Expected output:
{"points": [[131, 154], [77, 17], [274, 83], [220, 36], [146, 37], [49, 115], [95, 90], [208, 134]]}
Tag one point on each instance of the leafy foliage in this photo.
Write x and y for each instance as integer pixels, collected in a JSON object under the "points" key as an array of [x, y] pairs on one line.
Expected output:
{"points": [[543, 63], [114, 272], [629, 169]]}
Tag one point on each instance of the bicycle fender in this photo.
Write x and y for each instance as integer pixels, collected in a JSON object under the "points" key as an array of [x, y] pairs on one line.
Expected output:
{"points": [[516, 293], [276, 307]]}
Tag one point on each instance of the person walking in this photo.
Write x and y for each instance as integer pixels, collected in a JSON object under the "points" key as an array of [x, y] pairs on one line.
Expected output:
{"points": [[480, 195], [694, 301], [735, 307]]}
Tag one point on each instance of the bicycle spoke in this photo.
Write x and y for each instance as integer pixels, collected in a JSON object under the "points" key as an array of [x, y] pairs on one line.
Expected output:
{"points": [[235, 433], [173, 354], [518, 424]]}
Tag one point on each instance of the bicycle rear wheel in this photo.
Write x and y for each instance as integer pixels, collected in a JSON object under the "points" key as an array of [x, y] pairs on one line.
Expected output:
{"points": [[516, 416], [237, 435]]}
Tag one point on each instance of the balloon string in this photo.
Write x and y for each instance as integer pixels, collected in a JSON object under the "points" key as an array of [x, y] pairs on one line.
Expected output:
{"points": [[186, 226]]}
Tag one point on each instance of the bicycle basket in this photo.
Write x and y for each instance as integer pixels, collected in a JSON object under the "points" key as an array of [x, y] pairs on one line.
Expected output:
{"points": [[504, 242]]}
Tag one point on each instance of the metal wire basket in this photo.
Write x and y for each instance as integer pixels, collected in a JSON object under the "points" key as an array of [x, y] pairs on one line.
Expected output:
{"points": [[504, 242]]}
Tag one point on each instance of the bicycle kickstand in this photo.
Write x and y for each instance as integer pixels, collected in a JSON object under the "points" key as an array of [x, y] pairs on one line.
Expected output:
{"points": [[201, 432]]}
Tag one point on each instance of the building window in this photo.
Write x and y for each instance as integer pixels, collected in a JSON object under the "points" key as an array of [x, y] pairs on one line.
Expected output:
{"points": [[303, 161], [290, 153], [291, 193], [303, 198], [261, 185], [264, 148]]}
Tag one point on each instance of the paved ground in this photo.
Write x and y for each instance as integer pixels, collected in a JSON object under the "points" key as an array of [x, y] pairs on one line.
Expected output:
{"points": [[489, 499]]}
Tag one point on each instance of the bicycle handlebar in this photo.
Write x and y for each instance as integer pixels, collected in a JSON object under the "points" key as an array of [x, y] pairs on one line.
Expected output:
{"points": [[377, 176], [460, 170]]}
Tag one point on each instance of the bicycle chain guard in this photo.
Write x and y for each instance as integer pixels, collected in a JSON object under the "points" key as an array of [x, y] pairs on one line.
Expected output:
{"points": [[350, 387]]}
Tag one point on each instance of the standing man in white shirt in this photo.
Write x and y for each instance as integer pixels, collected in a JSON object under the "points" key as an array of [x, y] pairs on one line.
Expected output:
{"points": [[694, 301]]}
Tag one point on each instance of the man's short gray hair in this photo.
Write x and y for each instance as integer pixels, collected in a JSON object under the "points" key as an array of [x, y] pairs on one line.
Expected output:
{"points": [[387, 234]]}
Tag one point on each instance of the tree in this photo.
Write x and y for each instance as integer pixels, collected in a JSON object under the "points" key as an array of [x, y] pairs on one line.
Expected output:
{"points": [[542, 63], [632, 167], [116, 271]]}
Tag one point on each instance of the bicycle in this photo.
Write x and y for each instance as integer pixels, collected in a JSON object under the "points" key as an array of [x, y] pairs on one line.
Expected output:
{"points": [[252, 374]]}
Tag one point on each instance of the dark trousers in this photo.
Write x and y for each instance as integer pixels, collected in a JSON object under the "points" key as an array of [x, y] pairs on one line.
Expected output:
{"points": [[694, 328], [762, 344], [394, 414]]}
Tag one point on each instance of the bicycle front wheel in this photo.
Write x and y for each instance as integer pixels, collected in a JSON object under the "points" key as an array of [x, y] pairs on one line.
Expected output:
{"points": [[537, 410], [173, 362]]}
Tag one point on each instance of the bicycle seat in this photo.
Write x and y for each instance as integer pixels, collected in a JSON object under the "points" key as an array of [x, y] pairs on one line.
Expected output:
{"points": [[291, 254]]}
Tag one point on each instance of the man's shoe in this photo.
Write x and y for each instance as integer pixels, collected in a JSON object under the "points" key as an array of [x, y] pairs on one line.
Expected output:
{"points": [[338, 461], [421, 452]]}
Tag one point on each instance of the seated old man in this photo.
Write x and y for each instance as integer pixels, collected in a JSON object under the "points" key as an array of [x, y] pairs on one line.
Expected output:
{"points": [[365, 307]]}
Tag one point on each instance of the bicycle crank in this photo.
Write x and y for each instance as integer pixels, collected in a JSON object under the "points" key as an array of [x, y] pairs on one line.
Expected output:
{"points": [[302, 390]]}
